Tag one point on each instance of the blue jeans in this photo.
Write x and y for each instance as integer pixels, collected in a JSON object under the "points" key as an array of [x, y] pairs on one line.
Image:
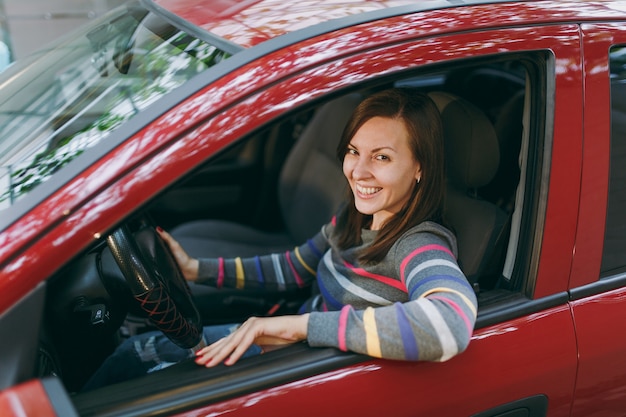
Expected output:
{"points": [[149, 352]]}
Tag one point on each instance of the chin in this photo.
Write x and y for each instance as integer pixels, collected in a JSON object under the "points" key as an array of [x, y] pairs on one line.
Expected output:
{"points": [[367, 211]]}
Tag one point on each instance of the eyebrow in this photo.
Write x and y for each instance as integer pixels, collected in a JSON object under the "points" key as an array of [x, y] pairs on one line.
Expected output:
{"points": [[375, 149]]}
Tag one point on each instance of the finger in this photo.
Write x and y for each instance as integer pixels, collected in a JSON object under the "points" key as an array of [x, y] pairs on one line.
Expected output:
{"points": [[230, 348], [240, 349], [207, 355], [166, 236], [218, 351], [171, 242], [168, 239]]}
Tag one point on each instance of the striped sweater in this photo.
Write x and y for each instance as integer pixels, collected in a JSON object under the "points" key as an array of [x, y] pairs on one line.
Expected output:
{"points": [[416, 304]]}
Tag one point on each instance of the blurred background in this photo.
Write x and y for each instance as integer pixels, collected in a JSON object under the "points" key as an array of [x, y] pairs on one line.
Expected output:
{"points": [[27, 25]]}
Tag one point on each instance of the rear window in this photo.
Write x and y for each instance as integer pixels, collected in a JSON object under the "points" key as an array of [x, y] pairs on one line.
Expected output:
{"points": [[614, 253]]}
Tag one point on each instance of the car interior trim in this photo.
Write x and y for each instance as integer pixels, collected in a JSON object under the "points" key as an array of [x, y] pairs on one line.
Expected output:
{"points": [[511, 255], [58, 397], [515, 305], [528, 223], [543, 132], [601, 286]]}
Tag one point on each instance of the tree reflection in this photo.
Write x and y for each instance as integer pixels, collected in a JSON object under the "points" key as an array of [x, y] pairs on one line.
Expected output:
{"points": [[96, 94]]}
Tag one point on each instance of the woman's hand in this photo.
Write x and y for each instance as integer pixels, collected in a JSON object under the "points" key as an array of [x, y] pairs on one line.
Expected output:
{"points": [[187, 264], [267, 332]]}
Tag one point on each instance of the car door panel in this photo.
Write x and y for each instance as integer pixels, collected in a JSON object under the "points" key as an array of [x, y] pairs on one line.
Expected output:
{"points": [[599, 300], [601, 379], [597, 40], [516, 360]]}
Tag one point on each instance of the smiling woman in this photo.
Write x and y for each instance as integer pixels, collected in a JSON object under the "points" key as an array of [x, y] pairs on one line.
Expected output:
{"points": [[386, 149], [381, 178], [76, 93]]}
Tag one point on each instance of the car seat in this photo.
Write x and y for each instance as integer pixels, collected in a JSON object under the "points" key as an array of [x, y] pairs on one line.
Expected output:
{"points": [[472, 160], [311, 187], [509, 128]]}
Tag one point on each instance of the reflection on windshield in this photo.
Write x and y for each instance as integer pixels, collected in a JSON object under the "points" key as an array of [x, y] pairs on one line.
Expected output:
{"points": [[70, 97]]}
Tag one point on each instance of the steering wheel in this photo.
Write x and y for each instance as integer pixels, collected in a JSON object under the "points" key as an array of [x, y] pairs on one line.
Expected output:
{"points": [[156, 283]]}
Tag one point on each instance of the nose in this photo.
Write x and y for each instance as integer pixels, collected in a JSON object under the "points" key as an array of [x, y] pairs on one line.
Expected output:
{"points": [[361, 169]]}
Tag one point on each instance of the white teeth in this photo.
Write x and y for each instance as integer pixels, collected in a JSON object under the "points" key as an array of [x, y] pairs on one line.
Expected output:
{"points": [[367, 190]]}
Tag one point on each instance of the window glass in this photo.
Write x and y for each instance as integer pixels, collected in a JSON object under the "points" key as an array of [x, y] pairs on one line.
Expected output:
{"points": [[614, 253], [72, 95]]}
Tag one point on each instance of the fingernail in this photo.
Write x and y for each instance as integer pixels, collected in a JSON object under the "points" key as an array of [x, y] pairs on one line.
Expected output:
{"points": [[159, 229]]}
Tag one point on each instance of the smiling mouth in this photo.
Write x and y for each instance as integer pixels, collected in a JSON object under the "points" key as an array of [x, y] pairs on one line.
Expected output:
{"points": [[367, 191]]}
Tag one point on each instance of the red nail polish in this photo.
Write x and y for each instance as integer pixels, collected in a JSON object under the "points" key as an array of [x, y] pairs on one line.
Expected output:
{"points": [[159, 229]]}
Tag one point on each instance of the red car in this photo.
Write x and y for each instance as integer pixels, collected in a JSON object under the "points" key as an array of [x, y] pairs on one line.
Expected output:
{"points": [[165, 112]]}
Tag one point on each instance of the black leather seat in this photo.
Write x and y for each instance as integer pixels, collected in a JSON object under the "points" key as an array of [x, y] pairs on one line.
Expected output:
{"points": [[311, 187]]}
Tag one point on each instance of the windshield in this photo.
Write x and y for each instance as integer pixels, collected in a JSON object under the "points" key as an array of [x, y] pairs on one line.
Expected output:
{"points": [[72, 95]]}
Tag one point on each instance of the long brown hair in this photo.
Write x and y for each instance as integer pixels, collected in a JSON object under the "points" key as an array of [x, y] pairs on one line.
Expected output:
{"points": [[423, 123]]}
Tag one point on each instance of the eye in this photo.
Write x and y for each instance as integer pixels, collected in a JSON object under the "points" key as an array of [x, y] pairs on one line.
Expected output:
{"points": [[352, 151], [381, 157]]}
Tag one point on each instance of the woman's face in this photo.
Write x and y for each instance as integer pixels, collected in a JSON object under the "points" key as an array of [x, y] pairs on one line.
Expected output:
{"points": [[380, 168]]}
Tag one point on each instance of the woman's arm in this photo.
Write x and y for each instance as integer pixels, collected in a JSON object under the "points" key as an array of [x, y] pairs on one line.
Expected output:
{"points": [[435, 324], [292, 269], [267, 332], [279, 271]]}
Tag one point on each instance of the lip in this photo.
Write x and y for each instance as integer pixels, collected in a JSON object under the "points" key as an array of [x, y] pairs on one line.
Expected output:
{"points": [[364, 192]]}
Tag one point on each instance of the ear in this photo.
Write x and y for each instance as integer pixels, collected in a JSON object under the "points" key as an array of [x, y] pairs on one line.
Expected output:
{"points": [[418, 173]]}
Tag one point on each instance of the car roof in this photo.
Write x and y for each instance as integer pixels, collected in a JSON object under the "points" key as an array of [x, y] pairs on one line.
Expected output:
{"points": [[247, 23], [250, 22]]}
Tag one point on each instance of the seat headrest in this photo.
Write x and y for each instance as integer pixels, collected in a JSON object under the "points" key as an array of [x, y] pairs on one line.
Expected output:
{"points": [[471, 144]]}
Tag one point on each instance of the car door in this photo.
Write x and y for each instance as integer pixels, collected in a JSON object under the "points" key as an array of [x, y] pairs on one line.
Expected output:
{"points": [[598, 279], [523, 355], [522, 358]]}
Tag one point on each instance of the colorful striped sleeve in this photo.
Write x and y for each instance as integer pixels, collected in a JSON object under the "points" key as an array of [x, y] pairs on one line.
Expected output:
{"points": [[434, 324], [280, 271]]}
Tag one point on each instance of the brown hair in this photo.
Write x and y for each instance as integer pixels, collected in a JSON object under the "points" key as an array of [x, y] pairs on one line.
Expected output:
{"points": [[423, 123]]}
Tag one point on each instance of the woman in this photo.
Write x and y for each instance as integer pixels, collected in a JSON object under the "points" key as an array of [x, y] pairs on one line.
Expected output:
{"points": [[389, 285]]}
